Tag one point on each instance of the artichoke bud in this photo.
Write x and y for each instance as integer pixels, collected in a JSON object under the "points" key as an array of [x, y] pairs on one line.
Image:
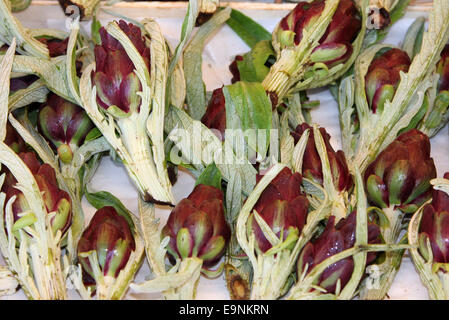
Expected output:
{"points": [[197, 226], [55, 199], [283, 206], [312, 167], [110, 237], [114, 77], [400, 175], [335, 46], [383, 77], [335, 239], [64, 124], [434, 228]]}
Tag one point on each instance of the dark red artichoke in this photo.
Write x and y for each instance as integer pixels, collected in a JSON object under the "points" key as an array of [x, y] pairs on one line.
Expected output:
{"points": [[335, 239], [283, 206], [312, 168], [215, 115], [55, 199], [435, 227], [197, 226], [400, 175], [383, 77], [110, 236], [335, 46], [114, 77], [64, 124]]}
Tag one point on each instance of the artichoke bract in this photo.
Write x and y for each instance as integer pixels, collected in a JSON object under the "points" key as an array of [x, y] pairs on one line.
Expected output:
{"points": [[435, 227], [312, 167], [114, 76], [383, 77], [56, 47], [55, 199], [334, 239], [64, 124], [110, 237], [400, 175], [197, 227], [283, 206], [335, 46]]}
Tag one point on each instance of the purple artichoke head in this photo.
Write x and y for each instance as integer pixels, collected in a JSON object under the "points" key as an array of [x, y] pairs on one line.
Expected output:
{"points": [[110, 237], [383, 77], [55, 199], [283, 206], [116, 82], [335, 46], [435, 228], [312, 168], [335, 239], [197, 226], [64, 124], [400, 175]]}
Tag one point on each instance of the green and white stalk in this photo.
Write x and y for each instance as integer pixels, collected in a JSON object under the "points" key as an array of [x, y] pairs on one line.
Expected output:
{"points": [[139, 142]]}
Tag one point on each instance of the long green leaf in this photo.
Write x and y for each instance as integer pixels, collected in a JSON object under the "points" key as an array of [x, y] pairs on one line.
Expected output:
{"points": [[247, 29]]}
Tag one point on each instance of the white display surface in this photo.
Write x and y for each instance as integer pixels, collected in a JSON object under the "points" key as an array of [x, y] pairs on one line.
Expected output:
{"points": [[218, 54]]}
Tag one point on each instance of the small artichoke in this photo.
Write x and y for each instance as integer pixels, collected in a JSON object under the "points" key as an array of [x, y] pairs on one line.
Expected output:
{"points": [[312, 168], [197, 227], [55, 199], [435, 228], [400, 175], [110, 237], [383, 77], [115, 79], [335, 239], [335, 46], [283, 206], [64, 124]]}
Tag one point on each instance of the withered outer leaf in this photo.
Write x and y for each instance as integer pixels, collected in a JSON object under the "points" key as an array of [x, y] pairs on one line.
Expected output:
{"points": [[11, 28]]}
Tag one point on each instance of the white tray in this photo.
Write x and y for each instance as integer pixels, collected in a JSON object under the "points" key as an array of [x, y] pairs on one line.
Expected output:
{"points": [[216, 58]]}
